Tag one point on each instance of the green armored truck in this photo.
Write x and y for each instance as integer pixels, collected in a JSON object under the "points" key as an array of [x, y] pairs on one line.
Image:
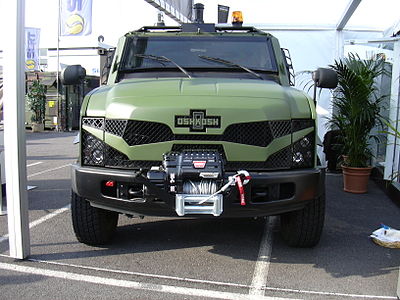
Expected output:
{"points": [[198, 121]]}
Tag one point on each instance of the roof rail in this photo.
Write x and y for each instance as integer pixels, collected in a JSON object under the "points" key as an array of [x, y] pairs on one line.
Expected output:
{"points": [[158, 28], [217, 29], [238, 28]]}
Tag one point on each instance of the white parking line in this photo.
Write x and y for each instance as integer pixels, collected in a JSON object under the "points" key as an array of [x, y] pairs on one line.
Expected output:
{"points": [[49, 216], [34, 164], [41, 220], [140, 274], [264, 256], [48, 170], [192, 292], [274, 289]]}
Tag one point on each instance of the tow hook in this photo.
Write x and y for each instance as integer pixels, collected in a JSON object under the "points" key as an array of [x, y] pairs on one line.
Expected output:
{"points": [[242, 178]]}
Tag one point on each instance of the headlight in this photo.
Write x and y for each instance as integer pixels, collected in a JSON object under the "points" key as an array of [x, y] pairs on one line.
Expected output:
{"points": [[305, 142], [298, 158], [92, 150], [303, 152]]}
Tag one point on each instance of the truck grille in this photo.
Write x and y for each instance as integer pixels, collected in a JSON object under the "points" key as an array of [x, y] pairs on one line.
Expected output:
{"points": [[298, 155], [116, 159], [253, 133]]}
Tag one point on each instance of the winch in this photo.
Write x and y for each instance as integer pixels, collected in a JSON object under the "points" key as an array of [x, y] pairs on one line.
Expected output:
{"points": [[196, 178]]}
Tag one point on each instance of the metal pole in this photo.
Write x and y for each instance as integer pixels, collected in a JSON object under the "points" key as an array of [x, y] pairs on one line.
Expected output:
{"points": [[2, 206], [393, 148], [58, 128], [398, 286], [14, 129]]}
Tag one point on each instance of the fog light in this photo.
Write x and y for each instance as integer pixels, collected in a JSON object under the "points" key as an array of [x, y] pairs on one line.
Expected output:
{"points": [[90, 142], [298, 157], [97, 156], [305, 142]]}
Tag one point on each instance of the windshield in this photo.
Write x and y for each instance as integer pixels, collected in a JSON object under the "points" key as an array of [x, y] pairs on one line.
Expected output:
{"points": [[188, 52]]}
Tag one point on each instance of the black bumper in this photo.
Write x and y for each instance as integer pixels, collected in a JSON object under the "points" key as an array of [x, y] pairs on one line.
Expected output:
{"points": [[268, 193]]}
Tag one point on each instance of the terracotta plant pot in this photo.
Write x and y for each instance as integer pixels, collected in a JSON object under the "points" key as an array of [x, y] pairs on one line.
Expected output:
{"points": [[355, 180]]}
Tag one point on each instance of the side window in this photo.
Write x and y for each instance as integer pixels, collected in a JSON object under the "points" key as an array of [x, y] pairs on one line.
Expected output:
{"points": [[289, 65], [106, 59]]}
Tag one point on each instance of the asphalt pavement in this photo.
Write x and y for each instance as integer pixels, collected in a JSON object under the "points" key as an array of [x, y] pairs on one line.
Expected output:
{"points": [[184, 258]]}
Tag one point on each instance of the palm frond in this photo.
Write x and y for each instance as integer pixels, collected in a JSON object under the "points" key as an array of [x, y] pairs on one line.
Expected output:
{"points": [[356, 105]]}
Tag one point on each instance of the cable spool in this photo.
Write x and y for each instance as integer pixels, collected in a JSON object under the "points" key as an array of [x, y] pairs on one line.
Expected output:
{"points": [[203, 187]]}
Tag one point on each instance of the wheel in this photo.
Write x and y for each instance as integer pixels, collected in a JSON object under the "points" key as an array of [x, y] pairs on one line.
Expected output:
{"points": [[92, 226], [303, 228]]}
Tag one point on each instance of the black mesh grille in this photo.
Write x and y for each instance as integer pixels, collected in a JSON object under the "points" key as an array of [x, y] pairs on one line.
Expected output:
{"points": [[97, 123], [252, 133], [302, 124], [116, 127], [116, 159], [279, 160], [141, 132], [280, 128]]}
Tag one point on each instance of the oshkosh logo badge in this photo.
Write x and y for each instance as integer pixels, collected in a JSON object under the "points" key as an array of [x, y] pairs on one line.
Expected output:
{"points": [[198, 121]]}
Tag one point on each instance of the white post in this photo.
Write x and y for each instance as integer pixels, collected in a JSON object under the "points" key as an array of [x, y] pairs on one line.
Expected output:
{"points": [[3, 211], [339, 44], [14, 128], [58, 126], [393, 143]]}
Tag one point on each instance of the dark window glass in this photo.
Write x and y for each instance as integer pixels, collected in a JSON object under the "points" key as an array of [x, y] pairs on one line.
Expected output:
{"points": [[252, 52]]}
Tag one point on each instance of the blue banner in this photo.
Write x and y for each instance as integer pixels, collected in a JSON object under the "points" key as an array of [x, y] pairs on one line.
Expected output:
{"points": [[76, 17], [32, 38]]}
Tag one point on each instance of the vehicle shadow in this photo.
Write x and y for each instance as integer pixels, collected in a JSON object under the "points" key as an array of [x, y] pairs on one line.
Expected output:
{"points": [[237, 238]]}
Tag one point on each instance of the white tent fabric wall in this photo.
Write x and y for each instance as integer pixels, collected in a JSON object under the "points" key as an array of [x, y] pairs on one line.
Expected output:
{"points": [[311, 49]]}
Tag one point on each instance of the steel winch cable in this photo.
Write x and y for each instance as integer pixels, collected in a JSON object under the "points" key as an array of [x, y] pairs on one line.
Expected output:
{"points": [[232, 180], [203, 187]]}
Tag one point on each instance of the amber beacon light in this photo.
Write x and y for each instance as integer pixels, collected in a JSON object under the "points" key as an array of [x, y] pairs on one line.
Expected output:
{"points": [[237, 18]]}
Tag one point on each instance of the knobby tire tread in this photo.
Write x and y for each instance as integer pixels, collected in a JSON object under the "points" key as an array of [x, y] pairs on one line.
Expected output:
{"points": [[92, 226]]}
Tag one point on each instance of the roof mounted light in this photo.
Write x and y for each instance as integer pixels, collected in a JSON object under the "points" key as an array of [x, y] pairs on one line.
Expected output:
{"points": [[237, 18]]}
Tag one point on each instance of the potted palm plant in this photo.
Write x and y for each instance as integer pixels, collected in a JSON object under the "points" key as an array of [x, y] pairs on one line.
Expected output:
{"points": [[356, 110], [36, 100]]}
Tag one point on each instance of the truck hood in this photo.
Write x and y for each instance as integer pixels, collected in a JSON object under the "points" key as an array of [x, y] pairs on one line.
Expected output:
{"points": [[235, 100]]}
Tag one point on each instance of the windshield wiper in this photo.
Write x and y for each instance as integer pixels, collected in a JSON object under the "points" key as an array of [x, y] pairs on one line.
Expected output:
{"points": [[230, 63], [161, 59]]}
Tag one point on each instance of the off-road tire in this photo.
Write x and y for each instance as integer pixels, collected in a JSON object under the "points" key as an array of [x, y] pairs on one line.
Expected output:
{"points": [[303, 228], [92, 226]]}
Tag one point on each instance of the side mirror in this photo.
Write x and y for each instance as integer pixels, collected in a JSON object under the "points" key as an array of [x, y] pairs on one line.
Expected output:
{"points": [[325, 78], [73, 75]]}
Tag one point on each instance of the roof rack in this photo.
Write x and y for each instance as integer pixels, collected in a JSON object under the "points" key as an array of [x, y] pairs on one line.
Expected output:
{"points": [[217, 29], [158, 28], [238, 28]]}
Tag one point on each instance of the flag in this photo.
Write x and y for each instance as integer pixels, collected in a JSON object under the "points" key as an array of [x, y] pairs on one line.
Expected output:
{"points": [[76, 17], [32, 38]]}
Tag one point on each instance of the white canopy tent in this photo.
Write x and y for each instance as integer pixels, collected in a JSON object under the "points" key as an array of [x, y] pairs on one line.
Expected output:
{"points": [[315, 31]]}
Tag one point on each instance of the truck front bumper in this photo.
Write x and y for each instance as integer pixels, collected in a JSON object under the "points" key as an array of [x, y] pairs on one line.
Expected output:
{"points": [[267, 193]]}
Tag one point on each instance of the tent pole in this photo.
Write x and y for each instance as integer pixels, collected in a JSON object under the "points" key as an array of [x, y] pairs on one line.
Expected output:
{"points": [[14, 129]]}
